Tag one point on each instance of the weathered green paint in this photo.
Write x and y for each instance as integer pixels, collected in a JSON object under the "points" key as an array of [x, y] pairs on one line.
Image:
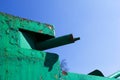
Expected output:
{"points": [[10, 27], [8, 22], [25, 64], [19, 59]]}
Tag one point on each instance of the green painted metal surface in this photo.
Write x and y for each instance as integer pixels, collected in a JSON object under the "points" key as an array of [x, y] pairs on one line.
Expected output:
{"points": [[73, 76], [13, 22], [19, 57], [26, 64]]}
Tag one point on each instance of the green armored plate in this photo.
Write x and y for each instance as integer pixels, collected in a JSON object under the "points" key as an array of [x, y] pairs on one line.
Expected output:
{"points": [[74, 76], [19, 57], [7, 20]]}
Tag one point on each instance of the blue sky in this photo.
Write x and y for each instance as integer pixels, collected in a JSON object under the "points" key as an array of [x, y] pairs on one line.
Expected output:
{"points": [[97, 22]]}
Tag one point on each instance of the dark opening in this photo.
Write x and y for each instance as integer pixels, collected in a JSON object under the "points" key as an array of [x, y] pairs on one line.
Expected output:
{"points": [[33, 37]]}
